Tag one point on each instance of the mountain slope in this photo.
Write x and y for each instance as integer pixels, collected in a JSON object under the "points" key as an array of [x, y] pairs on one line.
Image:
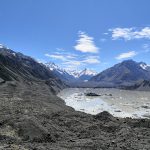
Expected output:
{"points": [[22, 65], [59, 72], [140, 86], [18, 67], [143, 86], [127, 72]]}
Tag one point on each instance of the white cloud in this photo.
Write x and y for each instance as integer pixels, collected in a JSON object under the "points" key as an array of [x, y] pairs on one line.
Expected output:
{"points": [[86, 44], [126, 55], [74, 63], [121, 33], [85, 61], [91, 60], [71, 56], [60, 57], [130, 33]]}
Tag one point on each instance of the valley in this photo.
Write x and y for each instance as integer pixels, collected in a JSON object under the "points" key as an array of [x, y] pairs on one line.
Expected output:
{"points": [[74, 75], [119, 103], [33, 117]]}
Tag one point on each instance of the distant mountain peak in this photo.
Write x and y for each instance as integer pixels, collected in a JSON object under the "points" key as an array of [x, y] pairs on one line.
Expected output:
{"points": [[77, 75], [87, 71], [74, 73], [128, 71], [51, 65], [130, 61]]}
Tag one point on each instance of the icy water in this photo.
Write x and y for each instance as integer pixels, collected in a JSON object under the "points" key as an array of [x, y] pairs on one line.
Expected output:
{"points": [[120, 103]]}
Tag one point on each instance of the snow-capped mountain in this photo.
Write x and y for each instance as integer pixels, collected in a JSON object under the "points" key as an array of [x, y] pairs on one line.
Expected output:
{"points": [[61, 73], [74, 73], [71, 75], [52, 66], [86, 74], [78, 74]]}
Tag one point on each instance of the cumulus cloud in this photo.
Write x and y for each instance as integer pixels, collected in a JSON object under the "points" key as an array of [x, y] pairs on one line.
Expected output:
{"points": [[130, 33], [86, 44], [126, 55]]}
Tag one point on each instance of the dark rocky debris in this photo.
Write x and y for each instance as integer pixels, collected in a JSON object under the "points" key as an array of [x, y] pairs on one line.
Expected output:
{"points": [[92, 94]]}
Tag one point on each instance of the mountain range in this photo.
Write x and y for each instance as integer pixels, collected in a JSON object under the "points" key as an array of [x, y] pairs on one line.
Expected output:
{"points": [[126, 73], [16, 66], [71, 75]]}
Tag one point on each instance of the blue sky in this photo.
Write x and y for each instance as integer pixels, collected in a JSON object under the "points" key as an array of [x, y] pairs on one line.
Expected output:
{"points": [[77, 34]]}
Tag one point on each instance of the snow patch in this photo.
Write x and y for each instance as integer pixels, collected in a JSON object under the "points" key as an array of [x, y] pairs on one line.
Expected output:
{"points": [[2, 46]]}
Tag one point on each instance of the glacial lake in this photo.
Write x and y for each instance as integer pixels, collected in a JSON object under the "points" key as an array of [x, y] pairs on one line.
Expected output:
{"points": [[120, 103]]}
